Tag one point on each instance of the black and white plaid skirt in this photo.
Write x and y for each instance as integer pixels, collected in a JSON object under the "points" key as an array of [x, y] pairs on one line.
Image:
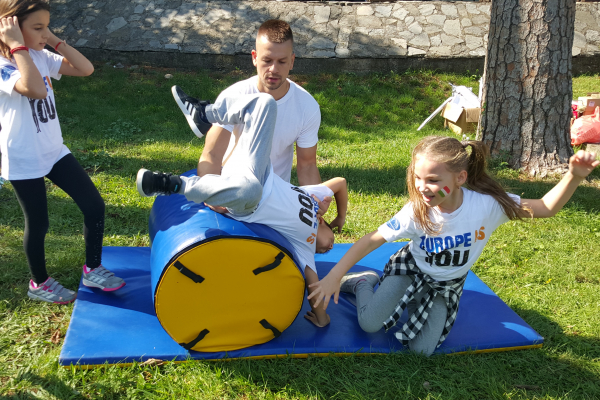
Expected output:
{"points": [[403, 263]]}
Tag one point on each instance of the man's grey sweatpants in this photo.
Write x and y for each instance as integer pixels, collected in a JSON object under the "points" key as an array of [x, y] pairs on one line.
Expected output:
{"points": [[374, 308], [240, 190]]}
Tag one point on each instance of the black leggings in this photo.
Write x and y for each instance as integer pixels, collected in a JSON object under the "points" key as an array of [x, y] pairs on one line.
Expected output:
{"points": [[68, 175]]}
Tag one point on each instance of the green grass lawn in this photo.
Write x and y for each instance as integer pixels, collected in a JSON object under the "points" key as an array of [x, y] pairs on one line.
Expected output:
{"points": [[118, 121]]}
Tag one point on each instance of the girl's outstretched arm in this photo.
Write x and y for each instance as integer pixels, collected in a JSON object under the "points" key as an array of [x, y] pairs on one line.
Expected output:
{"points": [[31, 83], [580, 166], [74, 63], [330, 285]]}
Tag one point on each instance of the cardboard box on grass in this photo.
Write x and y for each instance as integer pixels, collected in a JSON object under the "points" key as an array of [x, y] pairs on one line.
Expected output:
{"points": [[459, 119], [460, 111], [588, 103], [589, 110]]}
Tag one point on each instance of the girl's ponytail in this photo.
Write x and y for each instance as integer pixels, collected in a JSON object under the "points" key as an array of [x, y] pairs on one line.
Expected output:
{"points": [[479, 181]]}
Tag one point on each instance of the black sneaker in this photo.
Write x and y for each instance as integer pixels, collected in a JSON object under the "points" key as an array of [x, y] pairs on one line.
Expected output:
{"points": [[193, 109], [157, 183]]}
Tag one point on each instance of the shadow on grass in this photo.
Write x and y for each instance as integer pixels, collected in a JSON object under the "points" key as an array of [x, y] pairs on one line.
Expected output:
{"points": [[55, 387], [535, 372], [353, 108], [66, 218]]}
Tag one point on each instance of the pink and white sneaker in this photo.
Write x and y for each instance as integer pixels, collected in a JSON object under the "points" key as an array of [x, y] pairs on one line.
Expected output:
{"points": [[101, 278], [50, 291]]}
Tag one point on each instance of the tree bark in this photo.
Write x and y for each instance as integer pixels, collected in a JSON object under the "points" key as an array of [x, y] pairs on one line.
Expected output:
{"points": [[527, 84]]}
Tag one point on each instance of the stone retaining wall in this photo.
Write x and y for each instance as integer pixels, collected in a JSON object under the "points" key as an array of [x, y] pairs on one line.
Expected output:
{"points": [[415, 33]]}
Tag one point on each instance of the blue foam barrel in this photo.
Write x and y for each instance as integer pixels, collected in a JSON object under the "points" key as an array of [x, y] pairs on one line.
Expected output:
{"points": [[219, 284]]}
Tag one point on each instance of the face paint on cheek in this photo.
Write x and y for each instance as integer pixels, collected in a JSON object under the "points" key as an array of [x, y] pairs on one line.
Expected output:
{"points": [[444, 191]]}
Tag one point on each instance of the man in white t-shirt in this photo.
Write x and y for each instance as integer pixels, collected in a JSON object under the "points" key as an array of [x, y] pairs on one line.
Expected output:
{"points": [[298, 116]]}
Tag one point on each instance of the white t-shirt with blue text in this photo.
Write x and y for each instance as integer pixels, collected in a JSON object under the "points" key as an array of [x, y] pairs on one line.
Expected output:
{"points": [[30, 137], [465, 232]]}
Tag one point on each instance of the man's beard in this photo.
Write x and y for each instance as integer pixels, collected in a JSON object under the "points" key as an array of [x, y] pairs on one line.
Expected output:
{"points": [[271, 87]]}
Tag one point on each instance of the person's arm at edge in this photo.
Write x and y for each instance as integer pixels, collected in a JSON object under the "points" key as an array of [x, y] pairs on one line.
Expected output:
{"points": [[330, 285], [306, 166], [580, 166], [215, 146], [339, 188]]}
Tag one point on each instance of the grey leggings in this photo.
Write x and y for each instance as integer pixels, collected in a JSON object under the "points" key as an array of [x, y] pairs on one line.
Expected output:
{"points": [[376, 307], [239, 189]]}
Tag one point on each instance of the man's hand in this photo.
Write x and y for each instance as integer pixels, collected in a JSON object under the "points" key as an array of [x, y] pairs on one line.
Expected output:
{"points": [[338, 223], [312, 317]]}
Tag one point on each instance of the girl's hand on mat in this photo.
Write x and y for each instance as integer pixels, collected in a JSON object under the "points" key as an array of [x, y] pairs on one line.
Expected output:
{"points": [[323, 205], [312, 317], [323, 290], [582, 163]]}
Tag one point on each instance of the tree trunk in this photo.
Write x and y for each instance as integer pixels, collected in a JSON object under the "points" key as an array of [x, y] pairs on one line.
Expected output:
{"points": [[527, 84]]}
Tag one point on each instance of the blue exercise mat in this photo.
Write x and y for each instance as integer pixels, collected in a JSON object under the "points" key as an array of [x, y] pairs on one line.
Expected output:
{"points": [[121, 327]]}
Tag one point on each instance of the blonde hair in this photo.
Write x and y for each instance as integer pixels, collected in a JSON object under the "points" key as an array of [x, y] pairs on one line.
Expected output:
{"points": [[457, 158], [21, 9]]}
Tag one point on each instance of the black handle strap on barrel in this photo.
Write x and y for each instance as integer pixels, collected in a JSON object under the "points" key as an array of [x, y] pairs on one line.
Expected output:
{"points": [[271, 266], [187, 272], [267, 325], [190, 345]]}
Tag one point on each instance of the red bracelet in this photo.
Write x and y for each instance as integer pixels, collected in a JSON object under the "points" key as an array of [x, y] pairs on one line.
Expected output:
{"points": [[59, 43], [18, 48]]}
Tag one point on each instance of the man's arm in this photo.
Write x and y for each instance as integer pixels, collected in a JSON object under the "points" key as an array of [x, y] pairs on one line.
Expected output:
{"points": [[306, 166], [340, 193], [215, 146]]}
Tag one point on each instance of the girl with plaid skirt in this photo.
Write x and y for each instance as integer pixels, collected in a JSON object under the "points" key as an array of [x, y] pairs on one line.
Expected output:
{"points": [[448, 226]]}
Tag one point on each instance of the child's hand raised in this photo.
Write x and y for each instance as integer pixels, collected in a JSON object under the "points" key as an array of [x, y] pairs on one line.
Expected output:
{"points": [[582, 163], [323, 290], [10, 32]]}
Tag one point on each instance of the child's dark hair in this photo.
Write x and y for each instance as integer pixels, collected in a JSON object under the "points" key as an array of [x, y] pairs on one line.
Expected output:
{"points": [[21, 9], [457, 158]]}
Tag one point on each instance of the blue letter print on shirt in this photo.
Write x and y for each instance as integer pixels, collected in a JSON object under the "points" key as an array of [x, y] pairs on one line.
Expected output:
{"points": [[438, 250], [393, 224], [6, 72], [42, 111]]}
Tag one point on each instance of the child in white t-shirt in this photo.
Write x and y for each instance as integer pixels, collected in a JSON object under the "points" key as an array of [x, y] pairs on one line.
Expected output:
{"points": [[248, 187], [32, 147], [448, 227]]}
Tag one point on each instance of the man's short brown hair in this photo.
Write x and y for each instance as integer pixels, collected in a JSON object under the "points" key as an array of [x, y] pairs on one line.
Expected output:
{"points": [[276, 31]]}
